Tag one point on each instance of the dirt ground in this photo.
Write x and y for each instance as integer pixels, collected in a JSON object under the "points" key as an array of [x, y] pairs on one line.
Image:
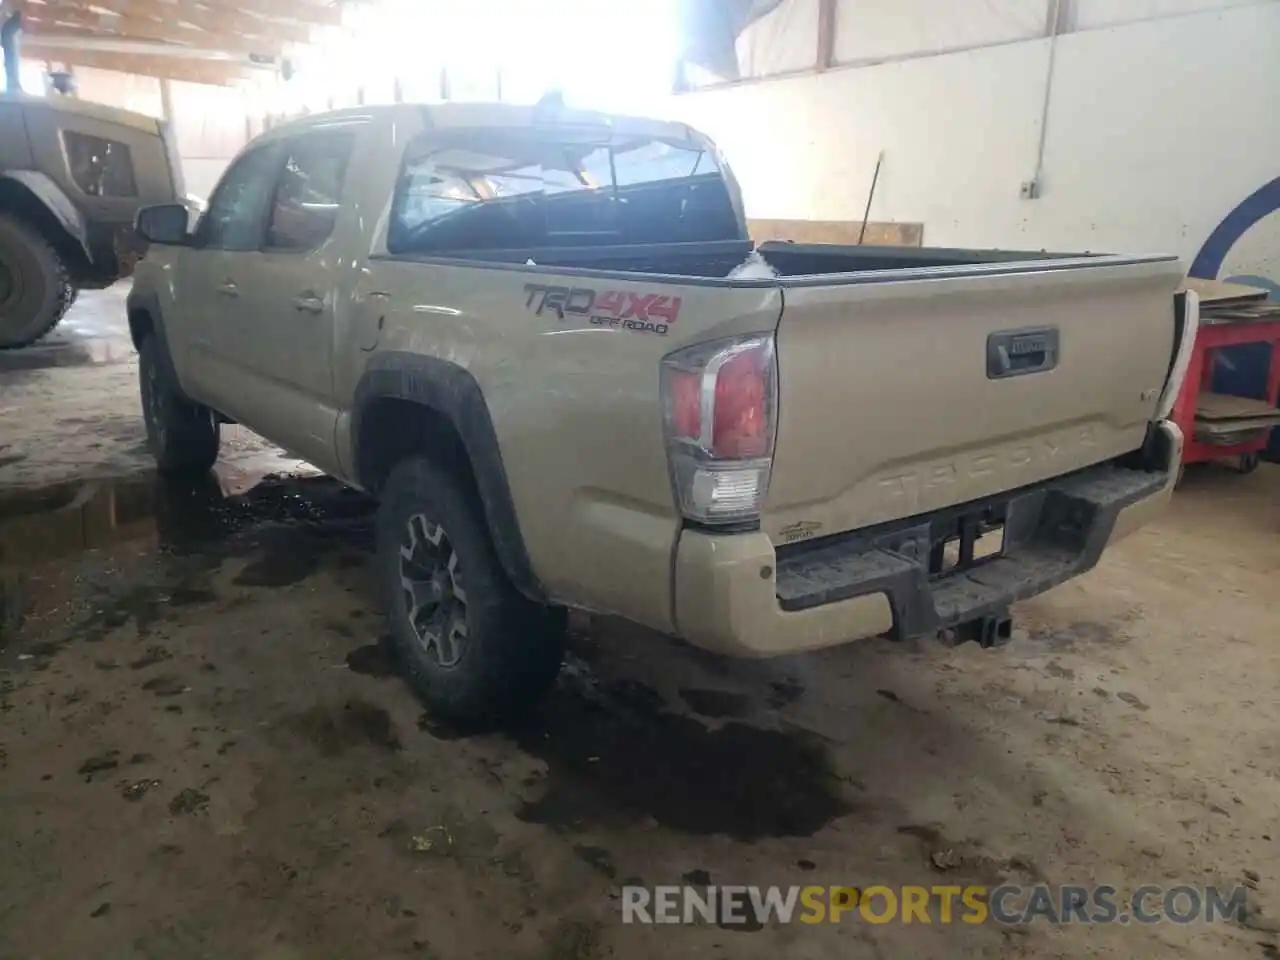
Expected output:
{"points": [[205, 750]]}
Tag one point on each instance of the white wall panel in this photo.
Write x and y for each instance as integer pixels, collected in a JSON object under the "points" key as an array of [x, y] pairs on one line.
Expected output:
{"points": [[868, 30], [1156, 131], [210, 126], [958, 134], [1092, 14], [124, 90]]}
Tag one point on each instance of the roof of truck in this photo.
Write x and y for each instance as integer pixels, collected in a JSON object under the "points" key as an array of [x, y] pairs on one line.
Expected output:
{"points": [[463, 115]]}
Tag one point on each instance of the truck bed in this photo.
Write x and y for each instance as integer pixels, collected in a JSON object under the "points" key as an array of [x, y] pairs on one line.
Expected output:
{"points": [[795, 262], [914, 379]]}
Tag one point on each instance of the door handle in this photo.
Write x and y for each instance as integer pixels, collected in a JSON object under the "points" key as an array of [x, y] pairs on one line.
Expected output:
{"points": [[1011, 353], [308, 303], [228, 288]]}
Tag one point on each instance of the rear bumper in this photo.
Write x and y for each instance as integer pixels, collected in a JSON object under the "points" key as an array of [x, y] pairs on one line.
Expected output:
{"points": [[736, 595]]}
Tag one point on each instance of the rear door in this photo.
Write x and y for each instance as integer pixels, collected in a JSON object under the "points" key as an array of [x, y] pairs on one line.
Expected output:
{"points": [[899, 397]]}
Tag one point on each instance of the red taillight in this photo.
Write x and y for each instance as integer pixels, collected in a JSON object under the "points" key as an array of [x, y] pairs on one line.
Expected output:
{"points": [[741, 408], [720, 409], [686, 403]]}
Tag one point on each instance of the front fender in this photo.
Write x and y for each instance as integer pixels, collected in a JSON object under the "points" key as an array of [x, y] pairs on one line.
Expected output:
{"points": [[146, 319], [55, 200]]}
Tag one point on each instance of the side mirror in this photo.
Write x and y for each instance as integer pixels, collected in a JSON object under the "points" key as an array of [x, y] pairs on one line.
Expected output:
{"points": [[163, 223]]}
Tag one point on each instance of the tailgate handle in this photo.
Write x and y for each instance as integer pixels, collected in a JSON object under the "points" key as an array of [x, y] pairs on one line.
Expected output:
{"points": [[1011, 353]]}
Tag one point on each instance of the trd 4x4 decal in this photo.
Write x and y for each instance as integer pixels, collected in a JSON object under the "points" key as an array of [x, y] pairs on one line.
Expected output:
{"points": [[624, 309]]}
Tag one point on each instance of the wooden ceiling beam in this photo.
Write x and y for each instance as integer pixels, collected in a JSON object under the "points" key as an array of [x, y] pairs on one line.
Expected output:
{"points": [[86, 23], [302, 11], [214, 19], [170, 68]]}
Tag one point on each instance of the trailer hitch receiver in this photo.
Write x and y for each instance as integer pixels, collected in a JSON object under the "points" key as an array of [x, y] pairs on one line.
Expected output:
{"points": [[992, 630]]}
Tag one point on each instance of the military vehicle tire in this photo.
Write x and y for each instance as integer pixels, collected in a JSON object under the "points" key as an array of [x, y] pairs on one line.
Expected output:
{"points": [[34, 289]]}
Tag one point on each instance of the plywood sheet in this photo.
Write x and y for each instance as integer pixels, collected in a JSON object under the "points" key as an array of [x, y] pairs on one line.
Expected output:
{"points": [[1215, 428], [1228, 435], [879, 233], [1221, 406], [1264, 312], [1217, 292]]}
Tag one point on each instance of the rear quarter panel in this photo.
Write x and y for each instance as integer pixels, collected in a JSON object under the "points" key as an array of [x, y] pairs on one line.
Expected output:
{"points": [[576, 409]]}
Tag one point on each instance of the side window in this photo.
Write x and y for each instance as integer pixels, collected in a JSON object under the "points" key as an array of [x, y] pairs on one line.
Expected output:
{"points": [[304, 208], [99, 167], [234, 218]]}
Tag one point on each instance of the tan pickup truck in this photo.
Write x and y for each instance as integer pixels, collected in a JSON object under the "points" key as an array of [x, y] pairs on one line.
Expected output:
{"points": [[523, 331]]}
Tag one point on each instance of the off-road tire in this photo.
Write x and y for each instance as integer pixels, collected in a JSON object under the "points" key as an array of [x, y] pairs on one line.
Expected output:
{"points": [[182, 436], [512, 648], [41, 292]]}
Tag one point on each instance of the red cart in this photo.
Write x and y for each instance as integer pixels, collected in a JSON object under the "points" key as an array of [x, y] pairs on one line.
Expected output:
{"points": [[1229, 320]]}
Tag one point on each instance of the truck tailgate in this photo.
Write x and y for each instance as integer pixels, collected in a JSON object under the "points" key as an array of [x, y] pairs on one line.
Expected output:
{"points": [[902, 396]]}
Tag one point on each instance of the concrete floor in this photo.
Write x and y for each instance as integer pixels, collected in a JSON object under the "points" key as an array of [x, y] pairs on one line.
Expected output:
{"points": [[206, 752]]}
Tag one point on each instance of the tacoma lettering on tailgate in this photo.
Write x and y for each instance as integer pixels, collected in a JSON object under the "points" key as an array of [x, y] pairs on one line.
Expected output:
{"points": [[623, 309], [1014, 461]]}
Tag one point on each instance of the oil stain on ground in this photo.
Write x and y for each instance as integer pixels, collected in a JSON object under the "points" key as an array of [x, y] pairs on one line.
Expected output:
{"points": [[278, 515], [286, 525], [356, 723], [373, 659], [614, 752], [277, 567], [716, 703]]}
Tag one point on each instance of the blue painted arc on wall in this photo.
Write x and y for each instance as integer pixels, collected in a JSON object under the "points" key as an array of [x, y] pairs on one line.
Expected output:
{"points": [[1213, 253]]}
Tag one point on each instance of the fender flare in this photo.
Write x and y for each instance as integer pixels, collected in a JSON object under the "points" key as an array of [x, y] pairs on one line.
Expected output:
{"points": [[44, 189], [145, 301], [451, 391]]}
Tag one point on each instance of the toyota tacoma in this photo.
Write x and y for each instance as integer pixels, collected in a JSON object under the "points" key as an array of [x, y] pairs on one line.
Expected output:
{"points": [[527, 332]]}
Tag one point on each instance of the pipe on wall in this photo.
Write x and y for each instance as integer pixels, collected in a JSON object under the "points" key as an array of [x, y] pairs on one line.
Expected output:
{"points": [[1057, 8], [10, 36]]}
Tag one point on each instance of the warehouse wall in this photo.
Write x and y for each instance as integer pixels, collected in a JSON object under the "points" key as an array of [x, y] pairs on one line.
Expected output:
{"points": [[211, 125], [1156, 130]]}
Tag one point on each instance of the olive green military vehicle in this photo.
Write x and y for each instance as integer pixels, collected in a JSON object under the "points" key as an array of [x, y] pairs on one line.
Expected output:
{"points": [[73, 175]]}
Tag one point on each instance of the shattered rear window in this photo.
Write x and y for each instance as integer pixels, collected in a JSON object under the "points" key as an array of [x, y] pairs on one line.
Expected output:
{"points": [[492, 190]]}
